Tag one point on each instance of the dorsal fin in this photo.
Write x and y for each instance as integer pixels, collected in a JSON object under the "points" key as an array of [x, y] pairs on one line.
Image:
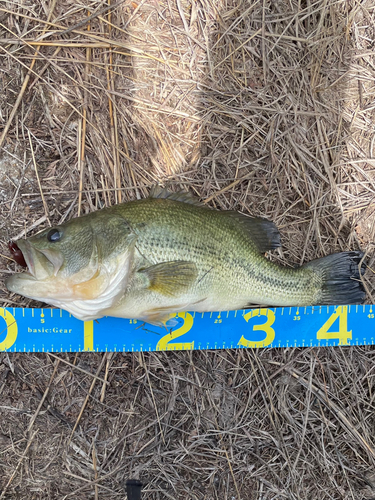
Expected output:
{"points": [[262, 232], [182, 196]]}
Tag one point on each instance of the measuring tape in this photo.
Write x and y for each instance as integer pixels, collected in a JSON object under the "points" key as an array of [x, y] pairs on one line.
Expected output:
{"points": [[55, 330]]}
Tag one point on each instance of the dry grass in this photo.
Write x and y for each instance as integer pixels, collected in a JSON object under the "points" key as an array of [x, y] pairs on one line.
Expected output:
{"points": [[264, 107]]}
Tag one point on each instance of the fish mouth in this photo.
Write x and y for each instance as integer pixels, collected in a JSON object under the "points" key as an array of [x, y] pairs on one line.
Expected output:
{"points": [[40, 280], [41, 264], [23, 247], [16, 253]]}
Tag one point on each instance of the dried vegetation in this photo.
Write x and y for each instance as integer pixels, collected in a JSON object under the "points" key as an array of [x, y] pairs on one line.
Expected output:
{"points": [[265, 107]]}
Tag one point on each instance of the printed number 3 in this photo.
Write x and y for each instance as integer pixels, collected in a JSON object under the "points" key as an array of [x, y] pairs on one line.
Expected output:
{"points": [[266, 327]]}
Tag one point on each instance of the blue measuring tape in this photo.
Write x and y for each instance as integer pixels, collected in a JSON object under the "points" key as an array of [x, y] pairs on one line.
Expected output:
{"points": [[55, 330]]}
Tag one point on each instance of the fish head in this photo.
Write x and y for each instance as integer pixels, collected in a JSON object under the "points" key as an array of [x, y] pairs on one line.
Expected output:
{"points": [[82, 260], [54, 257]]}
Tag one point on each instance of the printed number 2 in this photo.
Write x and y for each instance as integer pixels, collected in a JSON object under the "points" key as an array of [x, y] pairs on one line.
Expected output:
{"points": [[164, 343], [266, 327], [343, 335]]}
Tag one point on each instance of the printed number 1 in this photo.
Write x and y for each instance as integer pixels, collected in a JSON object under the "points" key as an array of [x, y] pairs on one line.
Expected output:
{"points": [[343, 335], [88, 336]]}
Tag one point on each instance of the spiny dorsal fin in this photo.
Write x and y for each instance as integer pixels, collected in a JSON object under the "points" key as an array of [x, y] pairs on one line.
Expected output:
{"points": [[261, 231], [182, 196]]}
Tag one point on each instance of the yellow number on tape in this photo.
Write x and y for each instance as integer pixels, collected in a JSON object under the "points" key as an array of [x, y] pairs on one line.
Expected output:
{"points": [[88, 336], [265, 327], [12, 329], [343, 335], [164, 343]]}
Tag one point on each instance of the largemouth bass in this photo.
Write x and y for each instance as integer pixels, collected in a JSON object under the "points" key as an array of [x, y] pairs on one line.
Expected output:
{"points": [[148, 258]]}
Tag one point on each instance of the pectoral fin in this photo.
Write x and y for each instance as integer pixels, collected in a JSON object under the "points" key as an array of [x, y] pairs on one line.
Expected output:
{"points": [[171, 278]]}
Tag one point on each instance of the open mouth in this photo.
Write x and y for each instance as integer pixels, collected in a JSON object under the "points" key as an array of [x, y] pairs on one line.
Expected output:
{"points": [[17, 254], [40, 264], [24, 256], [39, 279]]}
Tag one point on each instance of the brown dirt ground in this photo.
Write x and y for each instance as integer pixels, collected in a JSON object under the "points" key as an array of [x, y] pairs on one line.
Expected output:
{"points": [[266, 107]]}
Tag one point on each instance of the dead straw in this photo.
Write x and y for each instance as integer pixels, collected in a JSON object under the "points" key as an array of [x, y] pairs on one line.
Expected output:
{"points": [[262, 107]]}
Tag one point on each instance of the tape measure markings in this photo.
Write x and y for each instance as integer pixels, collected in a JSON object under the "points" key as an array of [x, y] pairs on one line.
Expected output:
{"points": [[35, 330]]}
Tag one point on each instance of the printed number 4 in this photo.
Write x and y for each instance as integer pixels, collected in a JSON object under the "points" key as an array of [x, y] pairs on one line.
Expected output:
{"points": [[343, 335]]}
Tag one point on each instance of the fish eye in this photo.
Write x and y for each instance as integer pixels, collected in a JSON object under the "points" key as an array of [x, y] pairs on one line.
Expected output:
{"points": [[54, 235]]}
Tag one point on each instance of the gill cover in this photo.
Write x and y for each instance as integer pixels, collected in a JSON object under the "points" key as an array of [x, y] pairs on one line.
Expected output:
{"points": [[91, 298]]}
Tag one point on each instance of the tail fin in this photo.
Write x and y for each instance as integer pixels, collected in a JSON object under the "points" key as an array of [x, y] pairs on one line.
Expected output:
{"points": [[341, 278]]}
